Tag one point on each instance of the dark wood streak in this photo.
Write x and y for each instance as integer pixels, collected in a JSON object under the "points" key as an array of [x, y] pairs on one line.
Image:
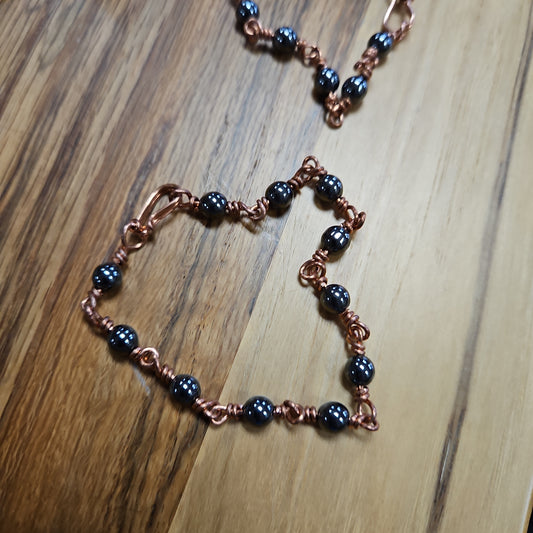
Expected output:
{"points": [[455, 425]]}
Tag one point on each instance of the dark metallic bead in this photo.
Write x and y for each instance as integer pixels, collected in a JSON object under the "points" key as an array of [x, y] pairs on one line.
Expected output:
{"points": [[333, 416], [213, 205], [279, 195], [334, 298], [185, 389], [359, 370], [354, 88], [382, 41], [329, 188], [107, 276], [335, 239], [246, 10], [123, 339], [326, 81], [258, 410], [284, 41]]}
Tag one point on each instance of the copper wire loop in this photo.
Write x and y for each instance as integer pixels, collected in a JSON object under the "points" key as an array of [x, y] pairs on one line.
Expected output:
{"points": [[255, 32], [215, 412], [256, 212], [368, 62], [88, 305], [295, 413], [310, 54], [365, 411], [314, 270], [120, 257], [353, 219], [148, 359], [335, 109], [406, 7], [356, 331]]}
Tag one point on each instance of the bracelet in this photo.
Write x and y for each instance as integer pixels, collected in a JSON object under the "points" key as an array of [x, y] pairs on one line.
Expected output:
{"points": [[334, 298], [285, 41]]}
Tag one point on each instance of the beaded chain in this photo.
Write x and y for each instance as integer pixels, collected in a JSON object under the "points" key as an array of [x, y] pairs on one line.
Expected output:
{"points": [[285, 42], [334, 298]]}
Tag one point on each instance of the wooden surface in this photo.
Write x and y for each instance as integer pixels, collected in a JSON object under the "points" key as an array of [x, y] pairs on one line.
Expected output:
{"points": [[101, 101]]}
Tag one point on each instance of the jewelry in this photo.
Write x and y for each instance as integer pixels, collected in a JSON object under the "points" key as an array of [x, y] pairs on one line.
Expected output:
{"points": [[285, 41], [184, 388]]}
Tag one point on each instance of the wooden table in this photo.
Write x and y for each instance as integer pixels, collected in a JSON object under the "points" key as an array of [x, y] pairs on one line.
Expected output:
{"points": [[101, 101]]}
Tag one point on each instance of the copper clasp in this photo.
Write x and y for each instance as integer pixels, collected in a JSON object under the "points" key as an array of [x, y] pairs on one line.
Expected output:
{"points": [[150, 218], [405, 8]]}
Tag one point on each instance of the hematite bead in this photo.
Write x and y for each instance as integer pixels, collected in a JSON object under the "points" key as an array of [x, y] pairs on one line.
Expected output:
{"points": [[334, 298], [382, 41], [258, 410], [359, 370], [284, 40], [185, 389], [213, 205], [107, 276], [246, 10], [333, 416], [123, 339], [279, 195], [328, 188], [326, 81], [354, 88], [335, 239]]}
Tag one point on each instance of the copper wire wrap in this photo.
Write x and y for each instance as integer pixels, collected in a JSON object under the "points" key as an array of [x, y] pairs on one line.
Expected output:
{"points": [[356, 332], [255, 32], [170, 198], [294, 413], [256, 212], [215, 412], [365, 411], [310, 55], [336, 108], [354, 220], [314, 270], [148, 359], [102, 324], [368, 62]]}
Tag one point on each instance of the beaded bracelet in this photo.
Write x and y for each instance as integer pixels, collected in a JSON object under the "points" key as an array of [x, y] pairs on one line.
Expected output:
{"points": [[334, 298], [285, 41]]}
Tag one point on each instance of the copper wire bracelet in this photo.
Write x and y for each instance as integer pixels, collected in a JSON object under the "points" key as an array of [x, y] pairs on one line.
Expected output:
{"points": [[334, 298], [285, 41]]}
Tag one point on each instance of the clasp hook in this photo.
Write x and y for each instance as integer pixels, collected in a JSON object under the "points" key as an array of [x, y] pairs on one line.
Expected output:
{"points": [[406, 7]]}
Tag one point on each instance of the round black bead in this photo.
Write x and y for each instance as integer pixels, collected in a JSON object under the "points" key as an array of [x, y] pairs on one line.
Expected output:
{"points": [[329, 188], [354, 88], [333, 416], [284, 41], [279, 195], [246, 10], [335, 239], [107, 276], [185, 389], [383, 41], [326, 81], [258, 410], [123, 339], [359, 370], [335, 298], [213, 205]]}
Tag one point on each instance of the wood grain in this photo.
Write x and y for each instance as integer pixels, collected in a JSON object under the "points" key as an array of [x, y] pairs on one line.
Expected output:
{"points": [[101, 102]]}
